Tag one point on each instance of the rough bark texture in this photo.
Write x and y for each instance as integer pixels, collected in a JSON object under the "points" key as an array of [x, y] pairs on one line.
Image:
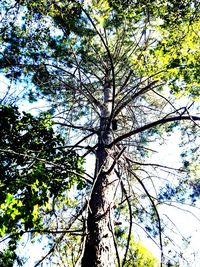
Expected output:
{"points": [[99, 250], [99, 247]]}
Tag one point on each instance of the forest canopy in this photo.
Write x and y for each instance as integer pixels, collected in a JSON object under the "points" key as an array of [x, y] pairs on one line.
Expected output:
{"points": [[117, 79]]}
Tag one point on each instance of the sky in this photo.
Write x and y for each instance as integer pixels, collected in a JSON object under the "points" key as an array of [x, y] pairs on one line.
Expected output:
{"points": [[186, 224]]}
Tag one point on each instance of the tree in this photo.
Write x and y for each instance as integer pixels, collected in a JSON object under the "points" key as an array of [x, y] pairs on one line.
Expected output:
{"points": [[113, 72], [32, 191], [34, 174]]}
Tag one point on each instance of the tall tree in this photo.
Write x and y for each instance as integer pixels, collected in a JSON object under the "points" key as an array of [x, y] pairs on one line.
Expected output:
{"points": [[113, 72]]}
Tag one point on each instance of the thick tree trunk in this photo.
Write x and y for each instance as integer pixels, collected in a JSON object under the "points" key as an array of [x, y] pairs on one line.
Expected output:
{"points": [[99, 247]]}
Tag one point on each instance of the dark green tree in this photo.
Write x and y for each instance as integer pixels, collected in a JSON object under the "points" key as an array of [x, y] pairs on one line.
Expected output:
{"points": [[35, 174]]}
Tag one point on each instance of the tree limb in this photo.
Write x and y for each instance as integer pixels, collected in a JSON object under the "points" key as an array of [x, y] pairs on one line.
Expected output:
{"points": [[151, 125]]}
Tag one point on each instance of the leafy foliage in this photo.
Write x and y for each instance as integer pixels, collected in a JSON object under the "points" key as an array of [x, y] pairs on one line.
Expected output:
{"points": [[35, 172]]}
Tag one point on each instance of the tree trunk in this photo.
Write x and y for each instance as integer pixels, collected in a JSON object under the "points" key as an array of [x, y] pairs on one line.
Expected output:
{"points": [[99, 247]]}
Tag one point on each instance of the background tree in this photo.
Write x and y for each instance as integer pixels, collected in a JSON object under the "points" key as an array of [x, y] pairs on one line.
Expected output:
{"points": [[112, 73], [35, 176]]}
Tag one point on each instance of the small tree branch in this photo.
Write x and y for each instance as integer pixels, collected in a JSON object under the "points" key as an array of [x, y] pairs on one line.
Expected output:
{"points": [[47, 162], [156, 211], [82, 128], [115, 160], [61, 236], [154, 165], [130, 217]]}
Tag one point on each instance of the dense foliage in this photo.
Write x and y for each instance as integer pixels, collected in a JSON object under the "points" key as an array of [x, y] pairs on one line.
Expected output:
{"points": [[34, 172]]}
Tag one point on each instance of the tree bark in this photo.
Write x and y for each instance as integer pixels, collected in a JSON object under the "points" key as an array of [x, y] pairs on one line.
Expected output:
{"points": [[99, 247]]}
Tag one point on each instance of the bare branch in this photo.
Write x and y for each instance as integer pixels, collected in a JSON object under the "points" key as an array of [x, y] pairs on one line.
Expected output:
{"points": [[130, 217], [61, 236], [82, 128], [156, 211], [124, 102], [154, 165], [152, 125]]}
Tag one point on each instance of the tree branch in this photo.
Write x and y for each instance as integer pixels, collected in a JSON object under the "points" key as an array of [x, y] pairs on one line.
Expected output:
{"points": [[47, 162], [130, 217], [52, 249], [121, 104], [156, 211], [79, 127], [152, 125]]}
